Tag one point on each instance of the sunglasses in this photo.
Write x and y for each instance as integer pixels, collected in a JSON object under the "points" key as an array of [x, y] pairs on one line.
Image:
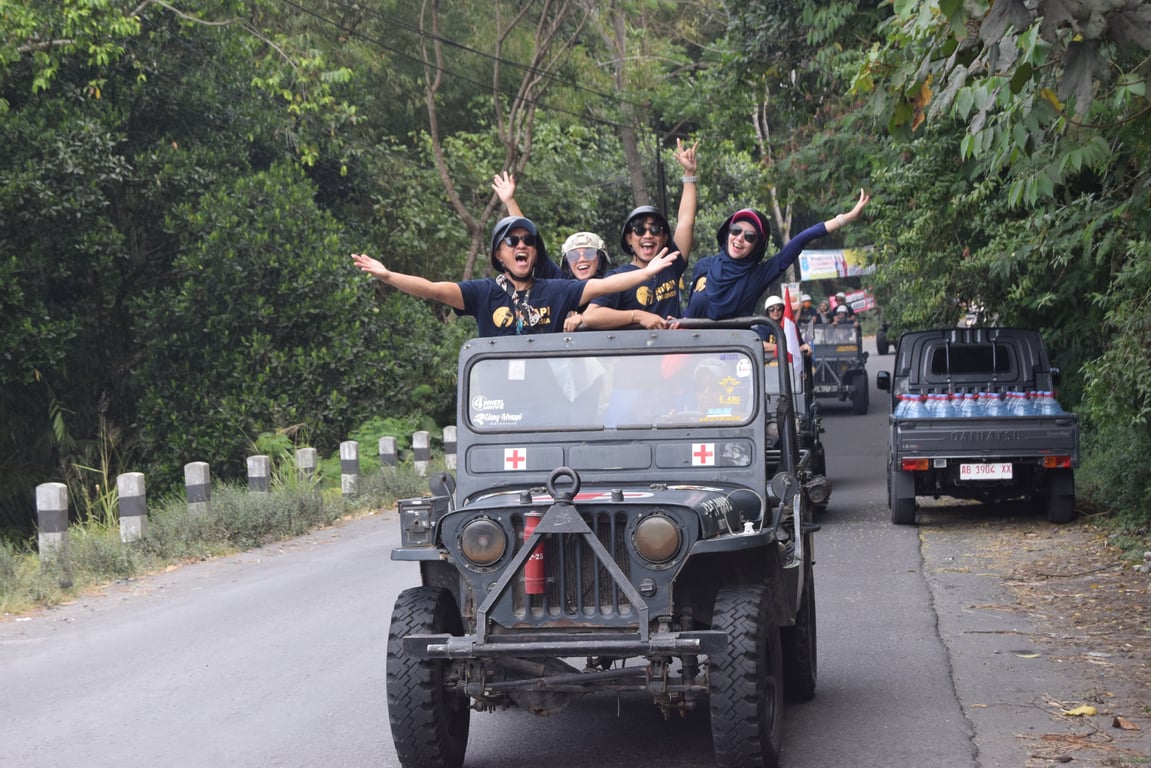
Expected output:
{"points": [[776, 308], [655, 229], [513, 240], [749, 235], [581, 254]]}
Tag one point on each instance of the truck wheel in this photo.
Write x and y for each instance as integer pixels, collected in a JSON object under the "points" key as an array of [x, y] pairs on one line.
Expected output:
{"points": [[800, 662], [746, 681], [1061, 497], [901, 497], [881, 343], [860, 397], [429, 719]]}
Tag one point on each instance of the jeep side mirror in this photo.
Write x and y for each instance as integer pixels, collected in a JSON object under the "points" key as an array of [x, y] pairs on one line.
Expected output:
{"points": [[883, 380]]}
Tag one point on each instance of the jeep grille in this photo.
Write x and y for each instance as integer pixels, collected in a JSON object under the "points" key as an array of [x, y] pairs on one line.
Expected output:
{"points": [[578, 587]]}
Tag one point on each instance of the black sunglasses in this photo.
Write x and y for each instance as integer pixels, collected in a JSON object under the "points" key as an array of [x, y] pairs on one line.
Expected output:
{"points": [[513, 240], [749, 235], [656, 229]]}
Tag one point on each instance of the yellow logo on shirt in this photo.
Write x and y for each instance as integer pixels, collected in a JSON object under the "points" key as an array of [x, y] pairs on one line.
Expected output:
{"points": [[503, 317]]}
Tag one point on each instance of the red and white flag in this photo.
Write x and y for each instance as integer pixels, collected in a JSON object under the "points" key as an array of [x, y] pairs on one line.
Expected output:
{"points": [[791, 332]]}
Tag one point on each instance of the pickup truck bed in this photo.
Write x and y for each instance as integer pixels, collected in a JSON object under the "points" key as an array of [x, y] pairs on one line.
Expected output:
{"points": [[989, 458]]}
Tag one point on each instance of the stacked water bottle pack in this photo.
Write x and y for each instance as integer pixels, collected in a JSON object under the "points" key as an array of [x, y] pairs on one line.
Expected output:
{"points": [[973, 404]]}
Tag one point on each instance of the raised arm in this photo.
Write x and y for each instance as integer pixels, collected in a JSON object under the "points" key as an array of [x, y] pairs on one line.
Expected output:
{"points": [[504, 185], [444, 292], [621, 281], [688, 197]]}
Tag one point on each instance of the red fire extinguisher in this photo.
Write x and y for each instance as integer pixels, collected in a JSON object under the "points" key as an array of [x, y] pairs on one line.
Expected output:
{"points": [[534, 567]]}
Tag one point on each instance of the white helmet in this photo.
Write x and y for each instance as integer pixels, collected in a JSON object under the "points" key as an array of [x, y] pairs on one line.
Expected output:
{"points": [[772, 301]]}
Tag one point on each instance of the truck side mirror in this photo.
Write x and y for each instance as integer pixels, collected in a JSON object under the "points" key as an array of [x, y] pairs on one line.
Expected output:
{"points": [[883, 380], [1055, 376]]}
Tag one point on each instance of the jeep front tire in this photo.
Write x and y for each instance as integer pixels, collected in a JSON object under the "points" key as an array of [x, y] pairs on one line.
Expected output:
{"points": [[746, 680]]}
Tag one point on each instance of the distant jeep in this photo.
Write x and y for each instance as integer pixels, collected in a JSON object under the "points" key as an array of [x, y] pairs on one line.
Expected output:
{"points": [[631, 514], [840, 365]]}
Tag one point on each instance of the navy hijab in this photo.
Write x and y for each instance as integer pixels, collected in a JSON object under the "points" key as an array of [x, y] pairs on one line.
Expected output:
{"points": [[730, 290]]}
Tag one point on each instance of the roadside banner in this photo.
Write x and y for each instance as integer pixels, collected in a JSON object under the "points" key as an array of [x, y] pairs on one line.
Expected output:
{"points": [[860, 300], [839, 262]]}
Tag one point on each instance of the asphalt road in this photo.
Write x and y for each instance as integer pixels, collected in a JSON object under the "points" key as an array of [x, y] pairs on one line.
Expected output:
{"points": [[275, 658]]}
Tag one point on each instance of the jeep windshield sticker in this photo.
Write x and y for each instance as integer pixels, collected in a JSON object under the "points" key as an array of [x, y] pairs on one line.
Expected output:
{"points": [[481, 403], [497, 420], [640, 390]]}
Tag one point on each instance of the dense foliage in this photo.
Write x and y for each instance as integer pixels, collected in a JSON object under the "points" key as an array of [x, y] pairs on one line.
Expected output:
{"points": [[181, 186]]}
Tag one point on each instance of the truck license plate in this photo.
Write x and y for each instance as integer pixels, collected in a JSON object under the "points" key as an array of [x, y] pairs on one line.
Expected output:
{"points": [[996, 471]]}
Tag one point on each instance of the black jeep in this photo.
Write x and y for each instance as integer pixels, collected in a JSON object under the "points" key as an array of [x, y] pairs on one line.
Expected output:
{"points": [[839, 364], [631, 514]]}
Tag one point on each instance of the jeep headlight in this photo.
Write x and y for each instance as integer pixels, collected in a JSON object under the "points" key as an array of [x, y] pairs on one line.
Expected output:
{"points": [[657, 538], [483, 541]]}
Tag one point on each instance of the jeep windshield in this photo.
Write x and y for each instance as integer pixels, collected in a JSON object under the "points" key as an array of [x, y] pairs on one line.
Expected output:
{"points": [[835, 334], [640, 391]]}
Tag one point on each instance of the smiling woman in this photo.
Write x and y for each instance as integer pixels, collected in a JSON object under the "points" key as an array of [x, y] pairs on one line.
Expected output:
{"points": [[729, 283]]}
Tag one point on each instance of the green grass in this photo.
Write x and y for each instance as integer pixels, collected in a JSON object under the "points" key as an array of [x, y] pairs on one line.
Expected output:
{"points": [[235, 520]]}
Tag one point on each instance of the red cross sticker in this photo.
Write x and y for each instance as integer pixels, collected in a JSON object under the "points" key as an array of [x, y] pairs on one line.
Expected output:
{"points": [[514, 457], [703, 454]]}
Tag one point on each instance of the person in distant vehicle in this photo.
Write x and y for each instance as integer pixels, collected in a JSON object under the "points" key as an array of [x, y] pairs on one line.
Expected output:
{"points": [[807, 312], [841, 301], [774, 309], [517, 300], [843, 316]]}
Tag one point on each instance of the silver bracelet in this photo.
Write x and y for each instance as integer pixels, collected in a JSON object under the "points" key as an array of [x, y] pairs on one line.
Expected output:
{"points": [[689, 179]]}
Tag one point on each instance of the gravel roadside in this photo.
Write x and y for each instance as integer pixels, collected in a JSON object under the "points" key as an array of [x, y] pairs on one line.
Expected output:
{"points": [[1060, 628]]}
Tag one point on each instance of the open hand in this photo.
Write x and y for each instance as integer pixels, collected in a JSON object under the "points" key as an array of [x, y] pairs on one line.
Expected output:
{"points": [[864, 198], [662, 260], [504, 185], [371, 266]]}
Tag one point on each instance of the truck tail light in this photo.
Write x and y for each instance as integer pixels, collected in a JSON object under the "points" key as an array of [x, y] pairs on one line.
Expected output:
{"points": [[1057, 462], [914, 465]]}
